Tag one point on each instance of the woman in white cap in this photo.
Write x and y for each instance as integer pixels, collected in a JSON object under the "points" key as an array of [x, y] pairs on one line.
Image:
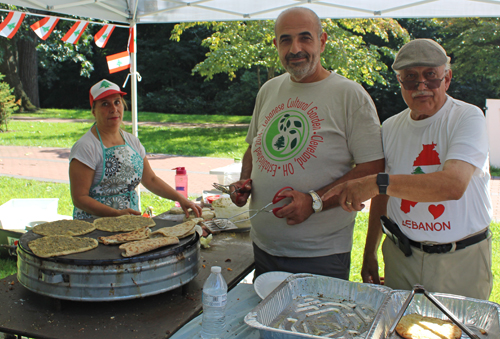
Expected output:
{"points": [[107, 163]]}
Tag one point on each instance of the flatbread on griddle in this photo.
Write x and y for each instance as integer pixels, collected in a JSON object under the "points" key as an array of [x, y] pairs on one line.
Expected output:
{"points": [[205, 215], [123, 223], [138, 247], [64, 227], [56, 245], [416, 326], [140, 234], [176, 210], [180, 231]]}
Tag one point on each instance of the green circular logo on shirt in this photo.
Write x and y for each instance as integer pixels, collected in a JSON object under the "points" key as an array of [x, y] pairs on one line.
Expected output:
{"points": [[286, 135]]}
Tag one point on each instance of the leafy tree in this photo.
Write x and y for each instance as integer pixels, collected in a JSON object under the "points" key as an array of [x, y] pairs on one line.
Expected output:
{"points": [[7, 103], [243, 44], [474, 44]]}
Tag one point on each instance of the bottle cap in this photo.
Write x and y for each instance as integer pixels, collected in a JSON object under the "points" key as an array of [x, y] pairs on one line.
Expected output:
{"points": [[180, 170], [215, 269]]}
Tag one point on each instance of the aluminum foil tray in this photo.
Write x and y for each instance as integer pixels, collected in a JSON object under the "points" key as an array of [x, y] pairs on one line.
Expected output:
{"points": [[314, 306], [476, 314]]}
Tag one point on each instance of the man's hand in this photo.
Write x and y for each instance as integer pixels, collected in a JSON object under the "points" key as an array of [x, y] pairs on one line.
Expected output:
{"points": [[244, 188], [353, 193], [298, 210], [369, 271]]}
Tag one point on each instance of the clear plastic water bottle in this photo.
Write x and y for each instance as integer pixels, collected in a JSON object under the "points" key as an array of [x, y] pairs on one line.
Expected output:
{"points": [[214, 305], [181, 182]]}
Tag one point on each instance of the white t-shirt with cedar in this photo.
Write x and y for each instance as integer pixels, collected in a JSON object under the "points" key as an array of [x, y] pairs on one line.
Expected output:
{"points": [[307, 136], [457, 131]]}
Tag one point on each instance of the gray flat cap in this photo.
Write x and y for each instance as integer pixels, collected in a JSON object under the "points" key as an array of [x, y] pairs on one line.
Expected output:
{"points": [[420, 52]]}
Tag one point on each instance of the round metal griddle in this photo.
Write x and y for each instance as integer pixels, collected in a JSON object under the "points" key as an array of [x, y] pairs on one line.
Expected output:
{"points": [[111, 254], [103, 274]]}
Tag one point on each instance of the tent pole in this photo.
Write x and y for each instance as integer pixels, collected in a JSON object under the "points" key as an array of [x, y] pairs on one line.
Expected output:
{"points": [[133, 88]]}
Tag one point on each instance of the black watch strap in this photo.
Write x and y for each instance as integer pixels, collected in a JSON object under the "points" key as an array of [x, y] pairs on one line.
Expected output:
{"points": [[382, 182]]}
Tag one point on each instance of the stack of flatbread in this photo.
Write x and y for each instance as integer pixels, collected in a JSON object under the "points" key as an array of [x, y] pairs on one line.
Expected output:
{"points": [[206, 214], [58, 238], [416, 326]]}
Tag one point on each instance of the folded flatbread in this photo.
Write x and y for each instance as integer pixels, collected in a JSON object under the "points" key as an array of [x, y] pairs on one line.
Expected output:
{"points": [[64, 227], [140, 234], [205, 215], [180, 231], [138, 247], [123, 223], [416, 326], [56, 245], [176, 210]]}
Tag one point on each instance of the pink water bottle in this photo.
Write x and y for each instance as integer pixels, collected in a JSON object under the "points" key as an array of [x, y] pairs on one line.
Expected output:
{"points": [[181, 182]]}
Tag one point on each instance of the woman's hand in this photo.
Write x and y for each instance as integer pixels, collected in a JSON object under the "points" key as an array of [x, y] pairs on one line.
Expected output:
{"points": [[188, 204], [128, 211]]}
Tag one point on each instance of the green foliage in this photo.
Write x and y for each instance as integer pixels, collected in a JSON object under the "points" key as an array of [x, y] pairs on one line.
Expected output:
{"points": [[495, 171], [7, 103], [243, 44]]}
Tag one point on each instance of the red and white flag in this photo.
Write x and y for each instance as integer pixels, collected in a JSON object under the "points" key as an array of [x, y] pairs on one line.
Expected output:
{"points": [[102, 37], [44, 27], [118, 62], [10, 25], [131, 48], [75, 32]]}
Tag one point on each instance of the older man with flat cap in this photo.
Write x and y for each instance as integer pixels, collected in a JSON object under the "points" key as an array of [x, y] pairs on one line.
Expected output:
{"points": [[435, 187]]}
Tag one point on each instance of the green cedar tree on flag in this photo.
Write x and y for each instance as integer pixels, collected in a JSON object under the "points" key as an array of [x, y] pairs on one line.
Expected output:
{"points": [[44, 27], [74, 34], [102, 37], [118, 62], [11, 24]]}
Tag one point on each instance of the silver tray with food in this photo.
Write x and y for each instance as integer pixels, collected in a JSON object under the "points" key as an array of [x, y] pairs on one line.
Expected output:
{"points": [[314, 306], [481, 317]]}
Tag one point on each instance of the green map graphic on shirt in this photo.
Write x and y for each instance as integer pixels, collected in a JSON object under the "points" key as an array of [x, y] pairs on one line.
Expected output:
{"points": [[286, 135], [428, 157]]}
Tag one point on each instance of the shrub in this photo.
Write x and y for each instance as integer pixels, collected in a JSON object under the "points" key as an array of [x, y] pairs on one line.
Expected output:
{"points": [[7, 103]]}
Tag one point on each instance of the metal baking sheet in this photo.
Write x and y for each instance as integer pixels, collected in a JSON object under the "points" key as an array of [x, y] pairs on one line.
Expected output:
{"points": [[476, 314], [111, 254], [282, 303]]}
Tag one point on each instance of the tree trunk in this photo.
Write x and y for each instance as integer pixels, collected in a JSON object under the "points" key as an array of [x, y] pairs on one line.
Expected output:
{"points": [[9, 67], [258, 77], [28, 67]]}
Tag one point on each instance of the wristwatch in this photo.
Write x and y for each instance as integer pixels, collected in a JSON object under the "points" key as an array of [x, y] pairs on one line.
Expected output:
{"points": [[317, 204], [382, 182]]}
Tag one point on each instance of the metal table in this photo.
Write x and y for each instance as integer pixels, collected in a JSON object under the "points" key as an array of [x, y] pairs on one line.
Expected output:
{"points": [[25, 313]]}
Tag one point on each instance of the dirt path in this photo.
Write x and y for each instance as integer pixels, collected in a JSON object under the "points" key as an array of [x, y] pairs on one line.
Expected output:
{"points": [[145, 123]]}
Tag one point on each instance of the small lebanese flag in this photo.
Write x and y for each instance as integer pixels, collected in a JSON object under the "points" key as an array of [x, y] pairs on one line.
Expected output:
{"points": [[75, 32], [44, 27], [102, 37], [118, 62], [131, 40], [11, 24]]}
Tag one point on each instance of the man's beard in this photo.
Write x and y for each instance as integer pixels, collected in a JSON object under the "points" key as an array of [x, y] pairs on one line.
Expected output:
{"points": [[303, 69]]}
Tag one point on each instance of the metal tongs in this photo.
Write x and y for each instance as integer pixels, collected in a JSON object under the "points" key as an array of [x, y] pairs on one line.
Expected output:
{"points": [[420, 289], [227, 188]]}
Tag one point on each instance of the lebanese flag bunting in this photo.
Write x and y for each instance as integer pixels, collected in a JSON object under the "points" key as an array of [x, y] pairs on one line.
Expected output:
{"points": [[131, 40], [102, 37], [44, 27], [75, 32], [118, 62], [11, 24]]}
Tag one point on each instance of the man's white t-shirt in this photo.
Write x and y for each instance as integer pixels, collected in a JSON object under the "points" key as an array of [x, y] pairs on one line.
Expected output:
{"points": [[307, 135], [457, 131]]}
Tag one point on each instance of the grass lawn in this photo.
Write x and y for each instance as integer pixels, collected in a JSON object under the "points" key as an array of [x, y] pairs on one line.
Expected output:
{"points": [[21, 188]]}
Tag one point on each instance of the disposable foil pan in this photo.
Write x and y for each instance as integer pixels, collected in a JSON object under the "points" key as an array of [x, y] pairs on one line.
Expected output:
{"points": [[283, 300], [476, 314]]}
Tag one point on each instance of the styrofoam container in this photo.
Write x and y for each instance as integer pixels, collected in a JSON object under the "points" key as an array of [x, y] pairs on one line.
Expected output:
{"points": [[16, 214], [282, 304], [476, 314]]}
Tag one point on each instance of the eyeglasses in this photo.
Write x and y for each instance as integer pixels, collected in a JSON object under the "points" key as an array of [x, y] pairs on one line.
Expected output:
{"points": [[411, 85]]}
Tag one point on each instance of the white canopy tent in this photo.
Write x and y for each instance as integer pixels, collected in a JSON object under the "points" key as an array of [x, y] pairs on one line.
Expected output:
{"points": [[133, 12]]}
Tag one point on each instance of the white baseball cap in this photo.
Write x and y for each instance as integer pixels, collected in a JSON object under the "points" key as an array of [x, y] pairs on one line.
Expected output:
{"points": [[103, 89]]}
